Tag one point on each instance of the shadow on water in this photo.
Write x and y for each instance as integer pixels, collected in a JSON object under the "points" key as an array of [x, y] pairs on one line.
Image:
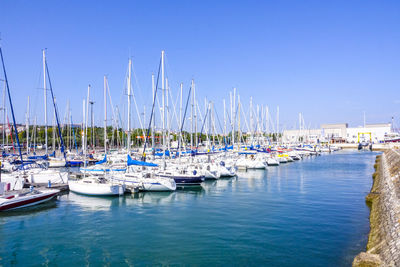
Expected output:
{"points": [[32, 210]]}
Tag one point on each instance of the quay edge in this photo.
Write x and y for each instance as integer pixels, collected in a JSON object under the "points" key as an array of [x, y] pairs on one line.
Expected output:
{"points": [[383, 248], [375, 147]]}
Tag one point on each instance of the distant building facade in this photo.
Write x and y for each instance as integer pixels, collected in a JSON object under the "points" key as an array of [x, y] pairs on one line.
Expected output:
{"points": [[339, 132], [371, 132]]}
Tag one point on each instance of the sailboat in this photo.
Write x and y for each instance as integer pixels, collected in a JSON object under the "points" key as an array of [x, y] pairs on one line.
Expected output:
{"points": [[94, 184], [25, 197], [54, 162], [146, 179], [35, 173]]}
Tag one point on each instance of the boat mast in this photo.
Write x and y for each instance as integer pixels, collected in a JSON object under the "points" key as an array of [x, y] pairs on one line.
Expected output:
{"points": [[153, 122], [223, 102], [92, 125], [258, 124], [34, 135], [144, 123], [267, 121], [86, 118], [277, 124], [163, 103], [251, 121], [191, 118], [12, 109], [54, 132], [206, 120], [105, 114], [83, 126], [300, 130], [27, 128], [167, 111], [45, 98], [262, 129], [129, 106], [4, 112], [195, 115], [238, 113], [212, 122], [180, 124], [180, 107], [70, 127], [234, 116]]}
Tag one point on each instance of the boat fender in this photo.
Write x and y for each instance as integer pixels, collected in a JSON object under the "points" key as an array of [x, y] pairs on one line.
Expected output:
{"points": [[194, 172]]}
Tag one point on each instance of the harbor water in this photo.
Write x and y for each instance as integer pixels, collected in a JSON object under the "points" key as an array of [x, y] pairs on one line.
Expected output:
{"points": [[306, 213]]}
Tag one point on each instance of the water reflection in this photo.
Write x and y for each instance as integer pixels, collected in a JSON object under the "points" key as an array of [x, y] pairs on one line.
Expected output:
{"points": [[252, 174], [219, 186], [104, 203], [32, 210], [253, 178], [154, 198], [91, 203]]}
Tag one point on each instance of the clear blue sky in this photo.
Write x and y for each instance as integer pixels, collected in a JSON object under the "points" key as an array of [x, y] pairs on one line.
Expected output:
{"points": [[330, 60]]}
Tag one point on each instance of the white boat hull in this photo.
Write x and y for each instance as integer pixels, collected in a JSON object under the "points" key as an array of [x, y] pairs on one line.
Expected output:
{"points": [[95, 189], [27, 199], [152, 184]]}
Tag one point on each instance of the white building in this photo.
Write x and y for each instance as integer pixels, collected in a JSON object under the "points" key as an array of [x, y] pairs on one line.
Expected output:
{"points": [[301, 136], [339, 132], [334, 132], [371, 132]]}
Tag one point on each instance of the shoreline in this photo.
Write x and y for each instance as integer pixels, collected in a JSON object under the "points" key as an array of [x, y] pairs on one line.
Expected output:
{"points": [[383, 247]]}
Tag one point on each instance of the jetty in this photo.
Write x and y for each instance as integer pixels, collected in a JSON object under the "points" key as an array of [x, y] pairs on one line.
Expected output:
{"points": [[383, 248]]}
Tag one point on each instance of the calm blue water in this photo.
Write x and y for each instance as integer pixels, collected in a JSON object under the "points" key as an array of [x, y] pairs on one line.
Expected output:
{"points": [[306, 213]]}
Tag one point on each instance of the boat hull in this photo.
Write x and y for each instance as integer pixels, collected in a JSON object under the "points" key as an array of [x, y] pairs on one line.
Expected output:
{"points": [[26, 201], [95, 189], [149, 184], [183, 181]]}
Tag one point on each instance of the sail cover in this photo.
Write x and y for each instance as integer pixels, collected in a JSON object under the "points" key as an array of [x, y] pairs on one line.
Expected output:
{"points": [[140, 163]]}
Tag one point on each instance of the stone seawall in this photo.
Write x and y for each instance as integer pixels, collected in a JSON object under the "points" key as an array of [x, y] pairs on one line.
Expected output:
{"points": [[383, 248]]}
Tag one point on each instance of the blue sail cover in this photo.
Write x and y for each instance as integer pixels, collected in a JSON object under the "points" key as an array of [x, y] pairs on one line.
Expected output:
{"points": [[225, 148], [8, 155], [38, 157], [140, 163], [103, 160], [167, 153]]}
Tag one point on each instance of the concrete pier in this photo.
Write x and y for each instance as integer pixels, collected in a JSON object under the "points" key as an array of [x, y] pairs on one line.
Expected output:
{"points": [[375, 147], [383, 248]]}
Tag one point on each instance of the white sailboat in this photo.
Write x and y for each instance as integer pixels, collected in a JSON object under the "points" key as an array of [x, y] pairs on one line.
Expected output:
{"points": [[15, 199], [96, 186]]}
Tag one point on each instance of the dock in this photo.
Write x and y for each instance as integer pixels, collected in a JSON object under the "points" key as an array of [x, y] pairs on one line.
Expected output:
{"points": [[375, 147], [62, 187]]}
